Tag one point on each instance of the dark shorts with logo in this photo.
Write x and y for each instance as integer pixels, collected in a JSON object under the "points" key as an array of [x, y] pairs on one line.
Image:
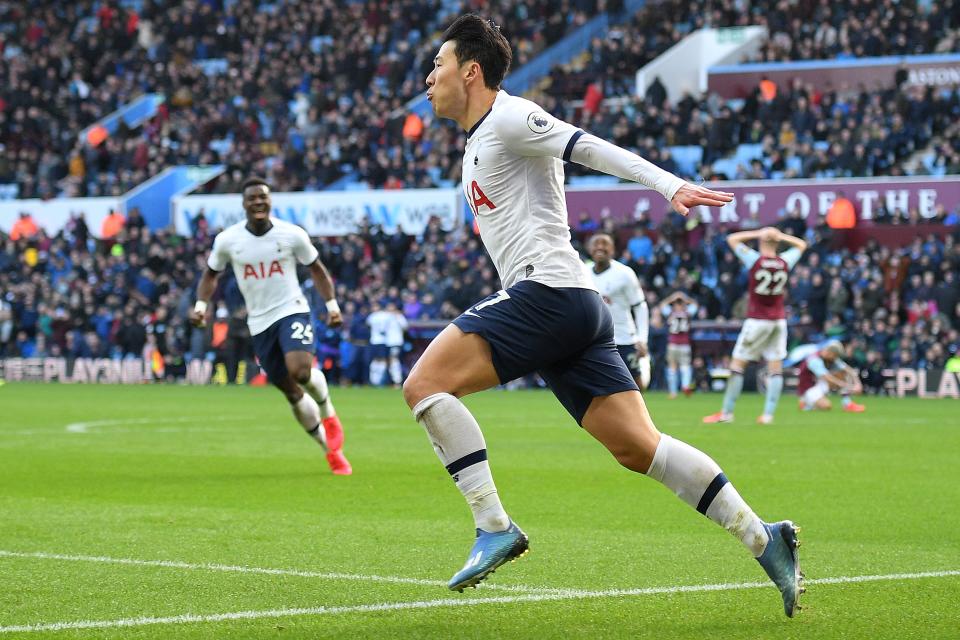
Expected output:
{"points": [[628, 353], [564, 334], [292, 333]]}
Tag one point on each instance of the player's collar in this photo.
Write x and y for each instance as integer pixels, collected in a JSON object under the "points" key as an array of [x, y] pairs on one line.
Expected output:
{"points": [[258, 235], [479, 122]]}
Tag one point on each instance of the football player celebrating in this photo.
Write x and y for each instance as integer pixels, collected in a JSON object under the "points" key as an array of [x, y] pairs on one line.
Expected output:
{"points": [[265, 252], [620, 289], [549, 317]]}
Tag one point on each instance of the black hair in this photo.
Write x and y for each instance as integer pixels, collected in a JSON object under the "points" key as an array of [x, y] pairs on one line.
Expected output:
{"points": [[480, 40], [253, 181]]}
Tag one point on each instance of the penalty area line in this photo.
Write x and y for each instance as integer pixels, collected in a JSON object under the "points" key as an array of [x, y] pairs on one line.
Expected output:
{"points": [[571, 594]]}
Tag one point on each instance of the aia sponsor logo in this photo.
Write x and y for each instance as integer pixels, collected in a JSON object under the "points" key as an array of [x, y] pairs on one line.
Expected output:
{"points": [[479, 199], [262, 270]]}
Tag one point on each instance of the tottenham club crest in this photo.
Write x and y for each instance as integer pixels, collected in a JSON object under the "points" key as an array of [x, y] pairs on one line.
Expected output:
{"points": [[539, 122]]}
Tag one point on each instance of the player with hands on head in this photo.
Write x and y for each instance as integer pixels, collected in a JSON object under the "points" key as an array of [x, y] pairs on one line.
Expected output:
{"points": [[678, 308], [764, 332], [265, 252]]}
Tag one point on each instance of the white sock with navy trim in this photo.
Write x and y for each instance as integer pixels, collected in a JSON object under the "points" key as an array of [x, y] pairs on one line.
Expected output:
{"points": [[699, 481], [319, 391], [307, 413], [459, 444]]}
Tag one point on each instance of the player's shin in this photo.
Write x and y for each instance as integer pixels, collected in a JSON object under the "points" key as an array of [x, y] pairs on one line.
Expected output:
{"points": [[377, 368], [459, 444], [686, 376], [774, 389], [699, 481], [319, 391], [396, 371], [734, 387], [672, 381], [307, 413]]}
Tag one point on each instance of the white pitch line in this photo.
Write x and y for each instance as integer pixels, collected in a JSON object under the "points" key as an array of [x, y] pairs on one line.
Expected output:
{"points": [[328, 575], [571, 594]]}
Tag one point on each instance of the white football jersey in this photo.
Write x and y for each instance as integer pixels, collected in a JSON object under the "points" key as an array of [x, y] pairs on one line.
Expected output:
{"points": [[386, 328], [266, 269], [621, 290], [513, 182]]}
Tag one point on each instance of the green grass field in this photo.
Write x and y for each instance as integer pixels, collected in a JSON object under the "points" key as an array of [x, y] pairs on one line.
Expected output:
{"points": [[99, 484]]}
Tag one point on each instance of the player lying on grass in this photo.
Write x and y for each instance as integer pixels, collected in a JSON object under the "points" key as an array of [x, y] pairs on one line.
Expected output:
{"points": [[823, 371], [549, 317], [264, 253]]}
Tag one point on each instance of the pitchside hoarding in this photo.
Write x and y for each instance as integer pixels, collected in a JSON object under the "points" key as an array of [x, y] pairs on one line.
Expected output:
{"points": [[771, 199], [923, 383]]}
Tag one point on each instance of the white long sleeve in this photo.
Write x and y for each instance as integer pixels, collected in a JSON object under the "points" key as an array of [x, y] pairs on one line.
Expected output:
{"points": [[600, 155], [641, 315]]}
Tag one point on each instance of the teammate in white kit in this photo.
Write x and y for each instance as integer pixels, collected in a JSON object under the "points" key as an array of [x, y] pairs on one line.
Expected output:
{"points": [[386, 342], [264, 253], [620, 289], [549, 317]]}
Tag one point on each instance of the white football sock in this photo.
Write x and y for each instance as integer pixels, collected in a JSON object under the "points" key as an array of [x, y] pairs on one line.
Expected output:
{"points": [[396, 373], [319, 391], [698, 481], [377, 368], [459, 444], [307, 413]]}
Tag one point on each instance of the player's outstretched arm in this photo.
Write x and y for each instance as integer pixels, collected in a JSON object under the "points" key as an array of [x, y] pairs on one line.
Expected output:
{"points": [[532, 132], [324, 284], [604, 156], [693, 195], [208, 284]]}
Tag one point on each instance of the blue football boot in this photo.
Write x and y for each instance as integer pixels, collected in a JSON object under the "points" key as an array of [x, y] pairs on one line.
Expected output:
{"points": [[490, 550], [782, 563]]}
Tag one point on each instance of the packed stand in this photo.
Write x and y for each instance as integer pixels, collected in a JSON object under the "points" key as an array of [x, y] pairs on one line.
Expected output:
{"points": [[295, 90], [127, 297], [804, 133]]}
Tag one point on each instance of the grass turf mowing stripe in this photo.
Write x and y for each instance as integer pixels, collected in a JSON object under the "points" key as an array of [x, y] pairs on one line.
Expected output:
{"points": [[449, 602], [176, 564]]}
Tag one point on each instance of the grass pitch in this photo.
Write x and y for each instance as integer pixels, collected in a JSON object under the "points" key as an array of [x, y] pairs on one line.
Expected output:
{"points": [[159, 512]]}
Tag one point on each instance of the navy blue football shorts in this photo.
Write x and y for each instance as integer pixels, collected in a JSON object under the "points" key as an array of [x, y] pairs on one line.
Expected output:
{"points": [[564, 334], [292, 333], [628, 353]]}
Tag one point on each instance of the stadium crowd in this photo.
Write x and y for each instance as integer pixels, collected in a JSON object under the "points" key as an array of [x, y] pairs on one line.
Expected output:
{"points": [[294, 90], [127, 297], [307, 92]]}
